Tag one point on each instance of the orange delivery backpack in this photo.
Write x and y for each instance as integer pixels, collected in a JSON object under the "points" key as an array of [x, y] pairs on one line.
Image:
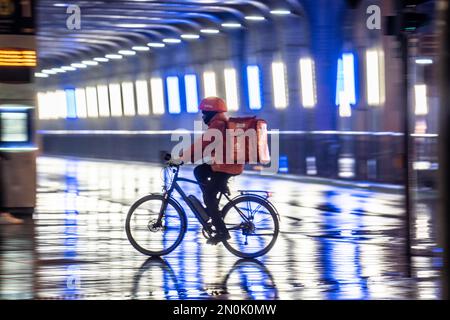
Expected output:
{"points": [[250, 134]]}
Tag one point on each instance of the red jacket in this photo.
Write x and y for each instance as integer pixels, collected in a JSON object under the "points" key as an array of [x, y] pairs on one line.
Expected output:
{"points": [[219, 122]]}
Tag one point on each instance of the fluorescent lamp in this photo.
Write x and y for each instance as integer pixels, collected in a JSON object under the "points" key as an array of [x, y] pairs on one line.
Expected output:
{"points": [[382, 77], [40, 75], [191, 90], [254, 91], [209, 84], [307, 81], [113, 56], [282, 12], [128, 99], [48, 71], [52, 105], [156, 44], [157, 92], [133, 25], [190, 36], [92, 105], [171, 40], [143, 108], [127, 52], [58, 70], [279, 85], [57, 100], [420, 94], [141, 48], [116, 99], [254, 18], [60, 104], [103, 100], [373, 78], [424, 61], [90, 62], [231, 91], [100, 59], [210, 31], [173, 95], [348, 65], [67, 68], [80, 99], [45, 104], [42, 105], [231, 25], [79, 65]]}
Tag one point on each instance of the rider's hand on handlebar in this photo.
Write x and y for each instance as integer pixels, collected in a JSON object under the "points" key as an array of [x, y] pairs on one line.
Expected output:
{"points": [[167, 157], [173, 162]]}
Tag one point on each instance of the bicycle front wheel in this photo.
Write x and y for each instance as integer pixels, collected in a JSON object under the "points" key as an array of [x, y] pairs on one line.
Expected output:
{"points": [[149, 237], [253, 226]]}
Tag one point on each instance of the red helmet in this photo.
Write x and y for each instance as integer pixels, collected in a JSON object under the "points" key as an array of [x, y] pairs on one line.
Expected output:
{"points": [[213, 104]]}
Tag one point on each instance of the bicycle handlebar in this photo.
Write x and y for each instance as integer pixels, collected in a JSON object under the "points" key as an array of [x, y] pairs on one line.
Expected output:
{"points": [[174, 163]]}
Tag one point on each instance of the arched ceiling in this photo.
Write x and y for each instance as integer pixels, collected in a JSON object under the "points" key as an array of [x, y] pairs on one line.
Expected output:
{"points": [[109, 26]]}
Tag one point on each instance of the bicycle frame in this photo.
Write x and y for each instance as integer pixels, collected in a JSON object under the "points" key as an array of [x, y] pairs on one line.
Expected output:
{"points": [[175, 186]]}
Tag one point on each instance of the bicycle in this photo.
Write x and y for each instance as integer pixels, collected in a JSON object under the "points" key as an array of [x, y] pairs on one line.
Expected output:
{"points": [[156, 223]]}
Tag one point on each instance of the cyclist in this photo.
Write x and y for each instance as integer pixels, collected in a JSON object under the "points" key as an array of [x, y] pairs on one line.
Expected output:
{"points": [[213, 177]]}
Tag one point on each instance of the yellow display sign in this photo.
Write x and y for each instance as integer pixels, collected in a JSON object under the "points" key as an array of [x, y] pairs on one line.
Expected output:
{"points": [[17, 58], [6, 7]]}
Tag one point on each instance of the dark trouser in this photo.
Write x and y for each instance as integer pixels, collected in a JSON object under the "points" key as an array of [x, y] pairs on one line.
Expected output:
{"points": [[213, 182]]}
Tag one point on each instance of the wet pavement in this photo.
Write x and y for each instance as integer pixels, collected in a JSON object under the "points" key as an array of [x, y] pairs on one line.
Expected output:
{"points": [[336, 242]]}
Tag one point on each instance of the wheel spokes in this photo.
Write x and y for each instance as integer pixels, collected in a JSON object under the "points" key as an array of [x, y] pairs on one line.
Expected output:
{"points": [[155, 238], [251, 225]]}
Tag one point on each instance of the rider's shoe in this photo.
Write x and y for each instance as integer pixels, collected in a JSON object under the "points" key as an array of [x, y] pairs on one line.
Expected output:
{"points": [[218, 238], [7, 218]]}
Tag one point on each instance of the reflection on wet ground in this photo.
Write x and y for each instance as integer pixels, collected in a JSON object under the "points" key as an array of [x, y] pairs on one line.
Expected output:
{"points": [[335, 243]]}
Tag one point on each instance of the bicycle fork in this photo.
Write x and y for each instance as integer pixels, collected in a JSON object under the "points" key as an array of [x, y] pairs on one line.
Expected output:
{"points": [[162, 210]]}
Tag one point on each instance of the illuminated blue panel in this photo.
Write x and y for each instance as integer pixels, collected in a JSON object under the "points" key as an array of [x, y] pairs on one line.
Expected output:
{"points": [[173, 95], [346, 78], [339, 80], [284, 168], [71, 104], [190, 83], [348, 65], [254, 91]]}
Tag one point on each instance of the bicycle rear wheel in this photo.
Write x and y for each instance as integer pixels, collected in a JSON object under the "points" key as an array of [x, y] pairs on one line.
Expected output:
{"points": [[253, 226], [145, 235]]}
